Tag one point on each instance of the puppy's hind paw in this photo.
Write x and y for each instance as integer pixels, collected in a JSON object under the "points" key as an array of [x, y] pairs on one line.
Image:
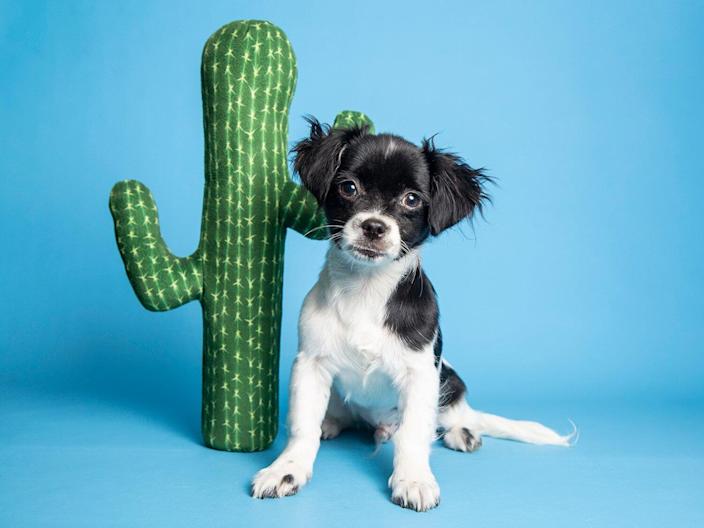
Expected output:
{"points": [[330, 428], [384, 432], [462, 439], [280, 479]]}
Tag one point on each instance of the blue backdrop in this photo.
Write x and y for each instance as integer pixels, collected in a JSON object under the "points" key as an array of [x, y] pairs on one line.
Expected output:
{"points": [[580, 295]]}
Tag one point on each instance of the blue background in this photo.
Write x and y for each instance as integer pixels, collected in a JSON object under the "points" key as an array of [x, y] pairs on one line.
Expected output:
{"points": [[580, 296]]}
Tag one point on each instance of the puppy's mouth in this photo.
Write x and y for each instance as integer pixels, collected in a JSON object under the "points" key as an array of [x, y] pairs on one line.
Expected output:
{"points": [[366, 253]]}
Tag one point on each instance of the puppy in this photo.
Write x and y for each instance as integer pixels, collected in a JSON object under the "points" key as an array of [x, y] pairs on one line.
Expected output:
{"points": [[370, 347]]}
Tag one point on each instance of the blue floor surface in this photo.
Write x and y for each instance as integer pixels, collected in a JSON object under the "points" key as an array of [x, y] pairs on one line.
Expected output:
{"points": [[67, 460]]}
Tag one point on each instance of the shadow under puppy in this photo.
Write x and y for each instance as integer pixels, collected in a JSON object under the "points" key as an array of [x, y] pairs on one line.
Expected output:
{"points": [[370, 347]]}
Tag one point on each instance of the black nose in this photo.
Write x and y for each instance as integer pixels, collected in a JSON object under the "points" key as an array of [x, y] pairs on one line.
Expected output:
{"points": [[373, 228]]}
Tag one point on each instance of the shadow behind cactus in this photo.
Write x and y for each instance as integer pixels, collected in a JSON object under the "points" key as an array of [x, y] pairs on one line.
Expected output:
{"points": [[248, 76]]}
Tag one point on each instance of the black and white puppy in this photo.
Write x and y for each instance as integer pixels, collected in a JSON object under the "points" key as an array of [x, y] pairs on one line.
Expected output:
{"points": [[369, 341]]}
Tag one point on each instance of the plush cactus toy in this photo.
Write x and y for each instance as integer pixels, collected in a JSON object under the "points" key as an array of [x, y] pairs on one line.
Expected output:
{"points": [[248, 77]]}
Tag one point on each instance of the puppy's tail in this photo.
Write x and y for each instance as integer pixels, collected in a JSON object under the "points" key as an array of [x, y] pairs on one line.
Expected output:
{"points": [[520, 430], [485, 424]]}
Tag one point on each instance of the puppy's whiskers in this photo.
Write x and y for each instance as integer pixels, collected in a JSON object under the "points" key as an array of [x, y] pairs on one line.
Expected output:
{"points": [[405, 250], [326, 226]]}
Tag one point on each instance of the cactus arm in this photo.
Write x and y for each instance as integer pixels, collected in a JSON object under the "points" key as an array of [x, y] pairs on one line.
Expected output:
{"points": [[160, 280], [301, 211], [350, 118]]}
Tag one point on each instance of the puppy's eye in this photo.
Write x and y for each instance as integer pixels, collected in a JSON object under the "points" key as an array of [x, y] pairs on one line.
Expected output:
{"points": [[348, 189], [411, 200]]}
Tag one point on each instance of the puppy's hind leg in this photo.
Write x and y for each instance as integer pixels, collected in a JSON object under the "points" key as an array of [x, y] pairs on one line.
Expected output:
{"points": [[338, 417], [457, 434], [458, 430], [463, 426]]}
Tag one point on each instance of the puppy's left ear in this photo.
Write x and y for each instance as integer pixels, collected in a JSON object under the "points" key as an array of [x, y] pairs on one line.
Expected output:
{"points": [[456, 189], [318, 157]]}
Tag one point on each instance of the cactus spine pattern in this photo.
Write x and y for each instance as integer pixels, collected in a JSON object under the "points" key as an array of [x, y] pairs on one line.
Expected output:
{"points": [[248, 76]]}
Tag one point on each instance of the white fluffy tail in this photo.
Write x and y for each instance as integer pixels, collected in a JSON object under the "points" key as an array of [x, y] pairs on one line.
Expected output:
{"points": [[520, 430], [483, 424]]}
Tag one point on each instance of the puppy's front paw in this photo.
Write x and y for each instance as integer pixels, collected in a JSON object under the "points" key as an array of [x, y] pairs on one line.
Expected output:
{"points": [[281, 479], [416, 491]]}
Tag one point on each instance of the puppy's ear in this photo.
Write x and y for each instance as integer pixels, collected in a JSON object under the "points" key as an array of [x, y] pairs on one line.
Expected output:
{"points": [[456, 189], [318, 157]]}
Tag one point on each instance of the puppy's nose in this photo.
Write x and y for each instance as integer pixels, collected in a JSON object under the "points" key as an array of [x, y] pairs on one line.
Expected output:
{"points": [[373, 228]]}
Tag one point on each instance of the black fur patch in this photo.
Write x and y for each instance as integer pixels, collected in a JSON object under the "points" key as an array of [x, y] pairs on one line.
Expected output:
{"points": [[437, 349], [452, 388], [412, 310]]}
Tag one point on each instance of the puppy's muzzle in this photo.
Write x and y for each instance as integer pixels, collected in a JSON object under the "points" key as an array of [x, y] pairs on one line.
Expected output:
{"points": [[370, 236]]}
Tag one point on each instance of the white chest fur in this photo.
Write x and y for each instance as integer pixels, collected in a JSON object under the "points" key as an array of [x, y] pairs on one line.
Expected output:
{"points": [[342, 324]]}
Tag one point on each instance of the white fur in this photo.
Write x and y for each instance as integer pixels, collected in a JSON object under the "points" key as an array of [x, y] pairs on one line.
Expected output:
{"points": [[350, 367], [352, 235]]}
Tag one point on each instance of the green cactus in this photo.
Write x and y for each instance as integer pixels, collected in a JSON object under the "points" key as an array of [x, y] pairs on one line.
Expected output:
{"points": [[248, 76]]}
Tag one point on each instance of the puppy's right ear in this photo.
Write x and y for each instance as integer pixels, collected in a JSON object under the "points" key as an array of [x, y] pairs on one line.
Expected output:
{"points": [[318, 157]]}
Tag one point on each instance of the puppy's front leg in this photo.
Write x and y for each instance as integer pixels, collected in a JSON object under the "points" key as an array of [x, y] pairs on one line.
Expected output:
{"points": [[412, 482], [308, 400]]}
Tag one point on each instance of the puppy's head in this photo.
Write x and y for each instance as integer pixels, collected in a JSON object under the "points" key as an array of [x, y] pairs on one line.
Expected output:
{"points": [[383, 196]]}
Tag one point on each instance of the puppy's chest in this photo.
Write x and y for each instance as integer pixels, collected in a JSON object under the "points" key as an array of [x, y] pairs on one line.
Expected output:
{"points": [[358, 321], [366, 354], [366, 363]]}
